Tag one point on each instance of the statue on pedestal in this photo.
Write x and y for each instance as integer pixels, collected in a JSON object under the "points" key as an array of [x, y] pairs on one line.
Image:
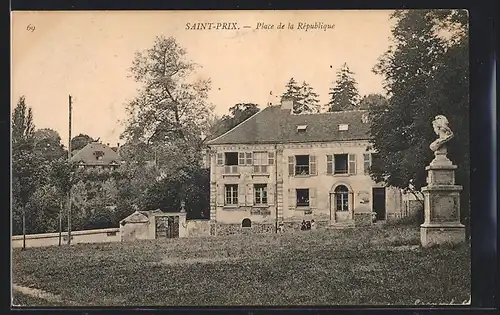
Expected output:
{"points": [[441, 128]]}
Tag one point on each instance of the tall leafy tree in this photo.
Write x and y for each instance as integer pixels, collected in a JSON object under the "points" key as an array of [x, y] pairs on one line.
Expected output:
{"points": [[48, 144], [344, 94], [28, 169], [171, 109], [80, 141], [374, 100], [426, 74], [305, 99]]}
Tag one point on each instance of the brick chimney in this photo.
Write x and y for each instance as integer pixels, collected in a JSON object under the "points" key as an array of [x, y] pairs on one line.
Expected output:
{"points": [[287, 103]]}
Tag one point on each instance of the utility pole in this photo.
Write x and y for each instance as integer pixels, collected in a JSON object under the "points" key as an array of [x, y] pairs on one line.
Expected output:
{"points": [[69, 161]]}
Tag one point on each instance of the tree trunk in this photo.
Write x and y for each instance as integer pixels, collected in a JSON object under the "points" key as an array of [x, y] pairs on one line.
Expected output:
{"points": [[24, 227], [60, 221]]}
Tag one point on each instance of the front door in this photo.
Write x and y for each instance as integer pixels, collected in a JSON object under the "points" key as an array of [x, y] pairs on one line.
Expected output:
{"points": [[339, 207], [379, 202]]}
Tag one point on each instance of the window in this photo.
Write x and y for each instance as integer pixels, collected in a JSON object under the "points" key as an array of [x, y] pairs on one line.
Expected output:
{"points": [[341, 198], [231, 158], [341, 165], [302, 165], [260, 161], [231, 194], [260, 194], [246, 223], [271, 158], [98, 155], [343, 127], [366, 163], [302, 197], [301, 128]]}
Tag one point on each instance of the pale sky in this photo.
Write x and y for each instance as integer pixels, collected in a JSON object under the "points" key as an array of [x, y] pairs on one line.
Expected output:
{"points": [[87, 55]]}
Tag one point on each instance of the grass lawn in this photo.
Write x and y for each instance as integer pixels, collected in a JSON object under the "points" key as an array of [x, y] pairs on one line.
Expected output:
{"points": [[368, 266]]}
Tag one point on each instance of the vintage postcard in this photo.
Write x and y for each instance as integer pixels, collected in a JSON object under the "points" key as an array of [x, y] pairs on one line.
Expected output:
{"points": [[241, 158]]}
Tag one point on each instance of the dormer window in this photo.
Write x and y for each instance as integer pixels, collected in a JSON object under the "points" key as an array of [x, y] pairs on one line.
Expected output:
{"points": [[343, 127], [364, 118], [98, 155], [301, 128]]}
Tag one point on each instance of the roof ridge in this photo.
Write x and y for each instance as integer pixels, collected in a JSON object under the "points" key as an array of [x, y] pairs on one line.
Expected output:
{"points": [[240, 124]]}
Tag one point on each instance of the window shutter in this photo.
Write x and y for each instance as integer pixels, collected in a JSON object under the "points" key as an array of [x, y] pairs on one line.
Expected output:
{"points": [[241, 158], [220, 159], [220, 195], [241, 194], [312, 198], [250, 200], [329, 164], [366, 163], [292, 198], [291, 165], [352, 163], [313, 170], [270, 194], [271, 158], [249, 158]]}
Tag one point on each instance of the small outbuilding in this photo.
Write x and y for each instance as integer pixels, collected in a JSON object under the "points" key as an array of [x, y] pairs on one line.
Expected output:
{"points": [[153, 224]]}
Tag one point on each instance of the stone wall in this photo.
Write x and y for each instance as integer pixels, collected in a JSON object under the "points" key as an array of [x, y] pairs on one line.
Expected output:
{"points": [[236, 229], [363, 218], [198, 228], [52, 239]]}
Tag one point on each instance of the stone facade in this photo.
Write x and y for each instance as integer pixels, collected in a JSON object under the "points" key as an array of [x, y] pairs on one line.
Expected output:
{"points": [[282, 186]]}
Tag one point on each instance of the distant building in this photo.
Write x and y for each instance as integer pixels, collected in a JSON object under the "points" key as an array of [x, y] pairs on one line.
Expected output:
{"points": [[277, 169], [97, 155]]}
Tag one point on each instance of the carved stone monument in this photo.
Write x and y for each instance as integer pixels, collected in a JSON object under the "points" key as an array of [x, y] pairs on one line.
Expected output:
{"points": [[441, 195]]}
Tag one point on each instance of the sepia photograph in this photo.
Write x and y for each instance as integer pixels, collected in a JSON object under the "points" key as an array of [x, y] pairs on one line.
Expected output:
{"points": [[240, 158]]}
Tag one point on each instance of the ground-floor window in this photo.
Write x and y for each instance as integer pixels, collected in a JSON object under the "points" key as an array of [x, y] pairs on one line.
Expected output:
{"points": [[260, 194], [302, 197], [231, 194], [341, 198]]}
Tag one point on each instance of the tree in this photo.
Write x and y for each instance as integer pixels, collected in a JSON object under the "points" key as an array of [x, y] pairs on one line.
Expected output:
{"points": [[375, 101], [48, 144], [344, 94], [305, 99], [80, 141], [28, 170], [237, 114], [170, 109], [425, 74]]}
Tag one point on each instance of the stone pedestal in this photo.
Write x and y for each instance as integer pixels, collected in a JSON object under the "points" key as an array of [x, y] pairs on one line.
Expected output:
{"points": [[441, 204]]}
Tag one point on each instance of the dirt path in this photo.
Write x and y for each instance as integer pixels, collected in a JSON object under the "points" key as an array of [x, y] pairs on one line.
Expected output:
{"points": [[37, 293]]}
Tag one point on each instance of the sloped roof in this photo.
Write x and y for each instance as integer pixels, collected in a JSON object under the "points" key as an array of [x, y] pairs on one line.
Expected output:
{"points": [[135, 217], [276, 125], [86, 155]]}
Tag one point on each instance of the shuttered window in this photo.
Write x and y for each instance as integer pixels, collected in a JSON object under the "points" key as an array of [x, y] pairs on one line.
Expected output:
{"points": [[271, 158], [352, 164], [260, 194], [248, 158], [313, 170], [220, 159], [231, 194], [241, 158], [329, 164], [366, 163], [291, 165], [260, 160]]}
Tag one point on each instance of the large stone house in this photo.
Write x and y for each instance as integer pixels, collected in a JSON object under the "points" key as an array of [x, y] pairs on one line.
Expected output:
{"points": [[277, 169]]}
